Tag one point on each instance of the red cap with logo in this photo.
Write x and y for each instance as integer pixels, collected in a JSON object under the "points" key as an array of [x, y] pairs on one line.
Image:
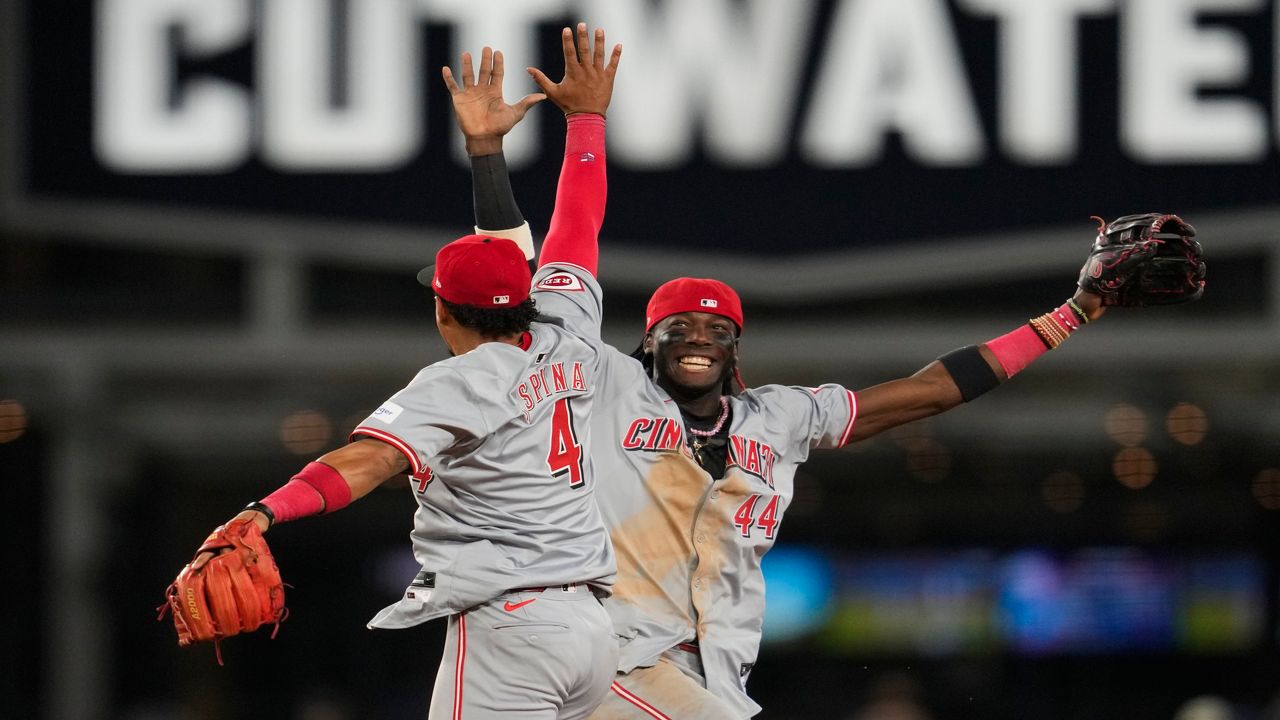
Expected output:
{"points": [[479, 271], [693, 295]]}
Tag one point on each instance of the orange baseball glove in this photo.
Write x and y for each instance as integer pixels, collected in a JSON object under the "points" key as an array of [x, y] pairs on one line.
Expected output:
{"points": [[236, 591]]}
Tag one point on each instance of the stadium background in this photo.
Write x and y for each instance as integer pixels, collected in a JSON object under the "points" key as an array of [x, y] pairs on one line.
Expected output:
{"points": [[190, 312]]}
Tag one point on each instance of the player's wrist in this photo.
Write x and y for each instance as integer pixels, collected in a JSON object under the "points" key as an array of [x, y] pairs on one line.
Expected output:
{"points": [[585, 133], [316, 489], [484, 145], [1017, 349], [260, 513], [1090, 304]]}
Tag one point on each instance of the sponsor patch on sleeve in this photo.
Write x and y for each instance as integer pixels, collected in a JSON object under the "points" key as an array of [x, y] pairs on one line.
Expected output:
{"points": [[388, 412], [561, 281]]}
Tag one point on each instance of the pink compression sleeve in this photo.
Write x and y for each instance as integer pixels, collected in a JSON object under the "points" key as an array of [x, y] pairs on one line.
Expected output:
{"points": [[580, 197]]}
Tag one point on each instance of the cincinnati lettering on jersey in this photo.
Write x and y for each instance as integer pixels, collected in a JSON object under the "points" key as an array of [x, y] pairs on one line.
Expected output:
{"points": [[654, 434], [549, 381], [753, 456]]}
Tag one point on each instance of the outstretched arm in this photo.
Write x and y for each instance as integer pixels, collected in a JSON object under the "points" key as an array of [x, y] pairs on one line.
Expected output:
{"points": [[329, 484], [1136, 260], [964, 374], [583, 95]]}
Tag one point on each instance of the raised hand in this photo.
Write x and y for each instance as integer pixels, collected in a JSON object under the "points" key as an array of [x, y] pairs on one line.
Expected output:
{"points": [[482, 115], [588, 82]]}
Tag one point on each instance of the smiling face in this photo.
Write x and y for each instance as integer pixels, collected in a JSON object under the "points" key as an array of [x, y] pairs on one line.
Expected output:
{"points": [[693, 352]]}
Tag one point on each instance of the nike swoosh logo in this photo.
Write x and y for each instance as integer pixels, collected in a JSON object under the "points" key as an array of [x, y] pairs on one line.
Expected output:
{"points": [[510, 606]]}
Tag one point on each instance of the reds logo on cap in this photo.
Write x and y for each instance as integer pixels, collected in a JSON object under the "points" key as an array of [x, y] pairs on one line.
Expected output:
{"points": [[693, 295]]}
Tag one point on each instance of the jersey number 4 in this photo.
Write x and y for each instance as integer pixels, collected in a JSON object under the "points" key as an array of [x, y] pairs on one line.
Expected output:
{"points": [[565, 457], [746, 518]]}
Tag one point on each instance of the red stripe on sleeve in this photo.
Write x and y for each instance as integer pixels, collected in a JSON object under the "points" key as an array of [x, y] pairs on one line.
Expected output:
{"points": [[395, 442], [580, 197], [853, 414]]}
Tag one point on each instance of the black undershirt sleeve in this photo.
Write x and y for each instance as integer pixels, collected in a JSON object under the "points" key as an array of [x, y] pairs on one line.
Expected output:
{"points": [[495, 204]]}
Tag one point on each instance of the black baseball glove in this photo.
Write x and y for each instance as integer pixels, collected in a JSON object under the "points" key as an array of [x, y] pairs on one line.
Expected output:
{"points": [[1148, 259]]}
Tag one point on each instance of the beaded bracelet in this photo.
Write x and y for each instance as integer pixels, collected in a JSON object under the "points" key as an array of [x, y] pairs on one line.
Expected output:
{"points": [[1079, 311]]}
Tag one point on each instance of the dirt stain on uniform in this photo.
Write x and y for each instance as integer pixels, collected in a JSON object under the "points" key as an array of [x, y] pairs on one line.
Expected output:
{"points": [[655, 545], [715, 540]]}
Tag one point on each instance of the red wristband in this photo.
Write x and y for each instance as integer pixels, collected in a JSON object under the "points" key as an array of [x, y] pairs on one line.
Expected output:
{"points": [[329, 483], [295, 499], [317, 488]]}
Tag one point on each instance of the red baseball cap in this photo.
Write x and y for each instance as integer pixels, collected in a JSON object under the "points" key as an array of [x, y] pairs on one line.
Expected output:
{"points": [[688, 294], [479, 271]]}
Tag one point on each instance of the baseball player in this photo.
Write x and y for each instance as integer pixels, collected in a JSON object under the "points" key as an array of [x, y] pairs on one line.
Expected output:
{"points": [[697, 471], [496, 439]]}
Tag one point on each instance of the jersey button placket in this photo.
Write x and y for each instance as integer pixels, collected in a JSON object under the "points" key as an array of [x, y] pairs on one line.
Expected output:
{"points": [[702, 527], [700, 539]]}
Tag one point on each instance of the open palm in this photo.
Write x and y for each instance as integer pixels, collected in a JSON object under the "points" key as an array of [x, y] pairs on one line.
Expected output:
{"points": [[478, 105]]}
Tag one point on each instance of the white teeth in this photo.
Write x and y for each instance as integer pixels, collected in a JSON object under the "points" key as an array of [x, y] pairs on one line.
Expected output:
{"points": [[693, 361]]}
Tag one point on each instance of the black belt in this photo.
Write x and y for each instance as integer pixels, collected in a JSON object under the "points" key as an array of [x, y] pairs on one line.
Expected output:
{"points": [[567, 587], [544, 587]]}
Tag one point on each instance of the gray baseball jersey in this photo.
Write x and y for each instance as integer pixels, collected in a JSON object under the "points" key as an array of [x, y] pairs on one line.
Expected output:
{"points": [[497, 443], [689, 547], [511, 544]]}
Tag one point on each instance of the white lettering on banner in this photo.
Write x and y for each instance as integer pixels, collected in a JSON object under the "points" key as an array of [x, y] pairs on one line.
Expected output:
{"points": [[723, 76], [206, 127], [1165, 59], [377, 127], [894, 66], [1038, 99], [739, 83]]}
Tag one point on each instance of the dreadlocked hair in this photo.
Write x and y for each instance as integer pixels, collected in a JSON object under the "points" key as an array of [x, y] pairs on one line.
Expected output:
{"points": [[494, 322], [733, 385]]}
